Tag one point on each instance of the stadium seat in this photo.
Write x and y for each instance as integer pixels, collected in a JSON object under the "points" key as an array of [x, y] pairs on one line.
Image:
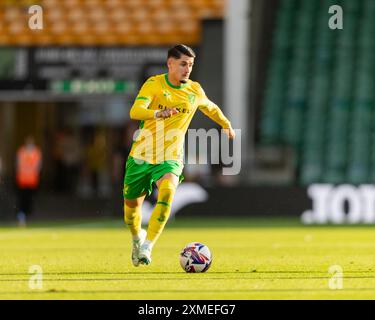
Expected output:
{"points": [[274, 95], [361, 138], [296, 99], [341, 107], [314, 136]]}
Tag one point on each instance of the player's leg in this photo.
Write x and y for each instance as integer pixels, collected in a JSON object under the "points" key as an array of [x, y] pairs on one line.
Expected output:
{"points": [[133, 219], [167, 185], [137, 184], [133, 215]]}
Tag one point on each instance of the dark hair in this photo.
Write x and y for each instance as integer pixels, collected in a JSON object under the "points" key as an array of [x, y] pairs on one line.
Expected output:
{"points": [[179, 50]]}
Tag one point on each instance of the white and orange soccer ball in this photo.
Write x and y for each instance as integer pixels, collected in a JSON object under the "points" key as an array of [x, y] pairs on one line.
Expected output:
{"points": [[195, 257]]}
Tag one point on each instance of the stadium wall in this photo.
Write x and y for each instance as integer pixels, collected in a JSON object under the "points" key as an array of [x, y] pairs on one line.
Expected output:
{"points": [[316, 204]]}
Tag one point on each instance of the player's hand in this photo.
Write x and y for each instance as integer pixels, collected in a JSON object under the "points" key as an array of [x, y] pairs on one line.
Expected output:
{"points": [[230, 133], [166, 113]]}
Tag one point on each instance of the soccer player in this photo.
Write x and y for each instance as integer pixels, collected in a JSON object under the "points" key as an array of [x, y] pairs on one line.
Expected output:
{"points": [[165, 105]]}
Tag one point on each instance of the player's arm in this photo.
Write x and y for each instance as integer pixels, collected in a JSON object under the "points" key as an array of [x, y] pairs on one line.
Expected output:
{"points": [[212, 111], [139, 110]]}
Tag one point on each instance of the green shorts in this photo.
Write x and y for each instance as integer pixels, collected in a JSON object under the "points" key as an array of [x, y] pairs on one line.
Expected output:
{"points": [[139, 177]]}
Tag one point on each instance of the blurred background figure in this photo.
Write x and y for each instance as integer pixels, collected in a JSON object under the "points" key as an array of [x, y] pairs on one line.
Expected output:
{"points": [[28, 167], [58, 155], [96, 162], [68, 158]]}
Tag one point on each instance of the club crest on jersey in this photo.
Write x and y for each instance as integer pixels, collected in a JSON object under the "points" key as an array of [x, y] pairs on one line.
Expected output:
{"points": [[191, 98], [167, 94]]}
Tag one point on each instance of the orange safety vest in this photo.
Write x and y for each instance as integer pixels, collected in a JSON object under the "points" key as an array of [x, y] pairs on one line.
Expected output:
{"points": [[28, 167]]}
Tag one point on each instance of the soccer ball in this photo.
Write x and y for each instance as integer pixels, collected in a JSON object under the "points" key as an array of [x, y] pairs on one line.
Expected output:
{"points": [[195, 257]]}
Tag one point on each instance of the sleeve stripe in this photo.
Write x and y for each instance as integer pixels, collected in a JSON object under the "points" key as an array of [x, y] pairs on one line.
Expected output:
{"points": [[142, 98]]}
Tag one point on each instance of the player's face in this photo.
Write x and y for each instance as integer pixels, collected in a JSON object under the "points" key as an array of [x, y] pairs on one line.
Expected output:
{"points": [[180, 69]]}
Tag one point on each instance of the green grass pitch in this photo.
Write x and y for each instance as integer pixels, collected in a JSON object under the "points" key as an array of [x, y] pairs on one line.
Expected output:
{"points": [[253, 259]]}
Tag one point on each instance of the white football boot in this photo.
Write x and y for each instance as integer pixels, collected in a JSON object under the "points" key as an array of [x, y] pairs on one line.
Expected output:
{"points": [[144, 256], [136, 247]]}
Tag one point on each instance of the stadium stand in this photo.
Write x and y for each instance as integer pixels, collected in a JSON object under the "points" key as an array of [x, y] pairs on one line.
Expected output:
{"points": [[318, 97], [111, 22]]}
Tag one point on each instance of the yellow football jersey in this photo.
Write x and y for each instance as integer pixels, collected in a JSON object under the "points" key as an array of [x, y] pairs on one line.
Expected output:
{"points": [[163, 139]]}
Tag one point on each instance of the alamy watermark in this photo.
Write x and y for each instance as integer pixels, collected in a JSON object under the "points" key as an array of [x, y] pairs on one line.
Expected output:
{"points": [[336, 280], [36, 18], [337, 20], [36, 278], [204, 147]]}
